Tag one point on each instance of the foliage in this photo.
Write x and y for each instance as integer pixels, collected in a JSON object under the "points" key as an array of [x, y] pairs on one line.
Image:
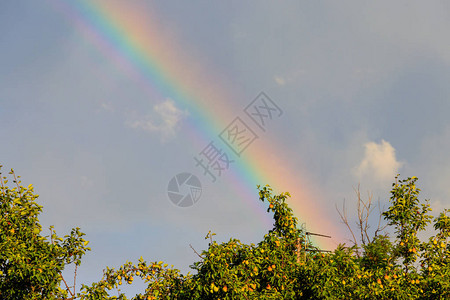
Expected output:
{"points": [[408, 217], [31, 265], [278, 267]]}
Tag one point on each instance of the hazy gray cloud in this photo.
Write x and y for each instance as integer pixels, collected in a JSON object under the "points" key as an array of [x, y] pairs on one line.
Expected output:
{"points": [[434, 162]]}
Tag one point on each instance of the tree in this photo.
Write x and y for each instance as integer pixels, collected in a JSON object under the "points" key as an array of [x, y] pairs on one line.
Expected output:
{"points": [[31, 264], [408, 217]]}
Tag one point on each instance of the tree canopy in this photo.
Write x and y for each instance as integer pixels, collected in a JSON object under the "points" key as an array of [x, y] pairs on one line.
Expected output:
{"points": [[281, 266], [31, 264]]}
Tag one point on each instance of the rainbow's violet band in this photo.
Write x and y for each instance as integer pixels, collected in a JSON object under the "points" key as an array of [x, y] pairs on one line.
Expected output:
{"points": [[150, 54]]}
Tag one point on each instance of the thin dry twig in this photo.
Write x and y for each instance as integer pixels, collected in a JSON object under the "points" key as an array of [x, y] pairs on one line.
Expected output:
{"points": [[16, 182], [2, 183], [195, 251], [364, 210], [379, 229], [67, 287], [344, 219], [75, 278]]}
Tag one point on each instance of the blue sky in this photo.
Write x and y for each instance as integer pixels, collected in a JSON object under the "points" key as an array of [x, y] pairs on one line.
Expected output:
{"points": [[363, 86]]}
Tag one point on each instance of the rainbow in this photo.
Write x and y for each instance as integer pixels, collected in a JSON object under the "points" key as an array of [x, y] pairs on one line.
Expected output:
{"points": [[132, 37]]}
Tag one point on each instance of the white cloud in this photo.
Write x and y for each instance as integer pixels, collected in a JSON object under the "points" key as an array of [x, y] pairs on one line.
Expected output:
{"points": [[169, 116], [289, 77], [379, 163], [280, 80], [107, 106]]}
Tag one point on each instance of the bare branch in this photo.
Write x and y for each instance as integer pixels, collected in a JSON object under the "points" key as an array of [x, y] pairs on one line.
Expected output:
{"points": [[67, 287], [75, 279], [344, 219], [2, 183], [364, 210], [195, 251], [369, 209], [360, 214], [379, 220], [16, 182]]}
